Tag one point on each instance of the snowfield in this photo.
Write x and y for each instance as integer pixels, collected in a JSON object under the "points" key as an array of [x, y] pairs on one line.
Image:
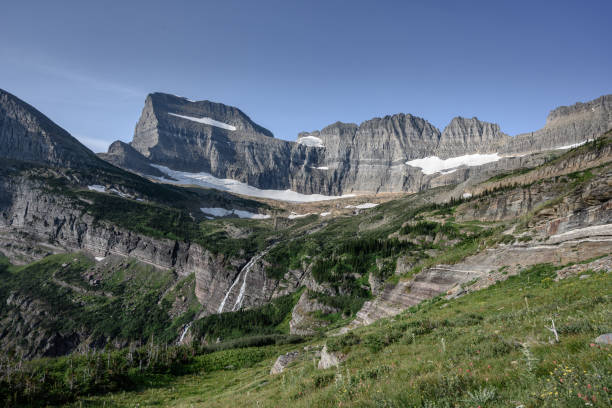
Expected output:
{"points": [[362, 206], [222, 212], [293, 215], [571, 146], [325, 214], [233, 186], [99, 258], [119, 193], [312, 141], [433, 164], [323, 168], [206, 121], [98, 188]]}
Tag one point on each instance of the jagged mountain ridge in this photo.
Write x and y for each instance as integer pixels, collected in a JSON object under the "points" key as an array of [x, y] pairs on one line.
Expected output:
{"points": [[345, 157]]}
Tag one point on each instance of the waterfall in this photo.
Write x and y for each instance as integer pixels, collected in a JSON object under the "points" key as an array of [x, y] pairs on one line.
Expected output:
{"points": [[185, 330], [222, 305], [246, 270], [244, 273]]}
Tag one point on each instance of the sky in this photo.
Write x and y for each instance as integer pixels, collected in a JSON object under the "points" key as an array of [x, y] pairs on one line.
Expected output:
{"points": [[297, 66]]}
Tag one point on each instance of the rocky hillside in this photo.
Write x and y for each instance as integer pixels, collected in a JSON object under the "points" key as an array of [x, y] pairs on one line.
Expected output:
{"points": [[379, 155], [418, 284]]}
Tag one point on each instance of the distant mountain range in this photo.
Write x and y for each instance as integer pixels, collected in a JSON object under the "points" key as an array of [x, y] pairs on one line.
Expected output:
{"points": [[203, 142], [207, 137]]}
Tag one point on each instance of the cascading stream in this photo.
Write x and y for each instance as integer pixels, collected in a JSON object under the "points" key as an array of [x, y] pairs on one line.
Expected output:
{"points": [[244, 273], [185, 330]]}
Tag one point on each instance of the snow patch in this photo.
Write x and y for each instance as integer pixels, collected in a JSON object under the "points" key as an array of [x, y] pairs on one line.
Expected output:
{"points": [[216, 211], [571, 146], [253, 216], [99, 258], [433, 164], [222, 212], [293, 215], [98, 188], [311, 141], [205, 120], [119, 193], [323, 168], [466, 195], [233, 186], [362, 206], [325, 214]]}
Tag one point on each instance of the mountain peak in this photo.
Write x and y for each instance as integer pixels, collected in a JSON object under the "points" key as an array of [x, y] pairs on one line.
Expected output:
{"points": [[27, 134]]}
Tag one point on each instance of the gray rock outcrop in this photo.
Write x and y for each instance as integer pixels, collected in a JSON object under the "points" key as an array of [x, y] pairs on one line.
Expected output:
{"points": [[330, 359], [283, 361], [303, 320]]}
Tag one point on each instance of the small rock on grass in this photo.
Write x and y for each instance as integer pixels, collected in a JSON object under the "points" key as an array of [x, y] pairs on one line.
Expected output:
{"points": [[604, 339]]}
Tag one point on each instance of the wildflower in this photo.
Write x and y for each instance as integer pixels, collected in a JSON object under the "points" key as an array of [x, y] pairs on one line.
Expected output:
{"points": [[589, 386]]}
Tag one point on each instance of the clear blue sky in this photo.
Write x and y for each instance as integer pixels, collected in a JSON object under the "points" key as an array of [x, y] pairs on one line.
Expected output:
{"points": [[299, 66]]}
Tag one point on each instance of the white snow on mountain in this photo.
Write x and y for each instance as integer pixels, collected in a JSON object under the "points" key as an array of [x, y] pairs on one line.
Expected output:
{"points": [[206, 121], [293, 215], [222, 212], [98, 188], [325, 214], [362, 206], [253, 216], [571, 146], [323, 168], [433, 164], [234, 186], [312, 141], [216, 211]]}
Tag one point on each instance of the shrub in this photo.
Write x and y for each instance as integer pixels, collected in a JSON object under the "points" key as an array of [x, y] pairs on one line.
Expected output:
{"points": [[323, 380], [343, 343]]}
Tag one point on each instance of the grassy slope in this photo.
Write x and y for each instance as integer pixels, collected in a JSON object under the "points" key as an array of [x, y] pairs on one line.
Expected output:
{"points": [[127, 303], [490, 348]]}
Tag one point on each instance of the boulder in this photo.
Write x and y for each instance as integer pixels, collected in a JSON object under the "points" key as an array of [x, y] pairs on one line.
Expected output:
{"points": [[330, 359], [283, 361]]}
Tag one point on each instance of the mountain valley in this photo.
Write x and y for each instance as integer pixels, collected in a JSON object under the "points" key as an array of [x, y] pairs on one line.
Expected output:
{"points": [[388, 263]]}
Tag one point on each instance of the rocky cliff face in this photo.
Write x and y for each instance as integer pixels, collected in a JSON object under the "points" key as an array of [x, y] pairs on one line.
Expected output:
{"points": [[567, 125], [214, 138], [28, 135], [343, 157], [467, 136]]}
